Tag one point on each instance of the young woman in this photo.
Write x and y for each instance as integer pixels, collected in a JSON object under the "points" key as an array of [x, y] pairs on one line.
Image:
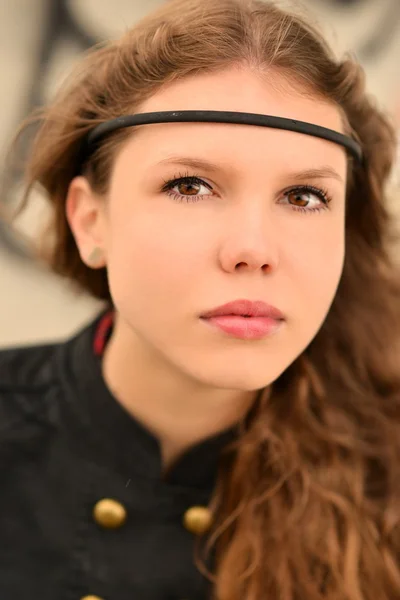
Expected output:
{"points": [[174, 449]]}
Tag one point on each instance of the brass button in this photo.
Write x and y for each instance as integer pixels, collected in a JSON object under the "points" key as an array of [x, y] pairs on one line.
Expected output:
{"points": [[109, 514], [197, 519], [91, 598]]}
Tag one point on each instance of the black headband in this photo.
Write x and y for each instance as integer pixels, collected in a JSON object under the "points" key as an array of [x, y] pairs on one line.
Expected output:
{"points": [[214, 116]]}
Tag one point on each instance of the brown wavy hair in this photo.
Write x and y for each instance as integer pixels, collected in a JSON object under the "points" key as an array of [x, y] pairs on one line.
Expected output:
{"points": [[307, 502]]}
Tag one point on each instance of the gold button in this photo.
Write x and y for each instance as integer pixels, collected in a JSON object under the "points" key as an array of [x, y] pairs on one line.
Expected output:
{"points": [[109, 514], [91, 598], [197, 519]]}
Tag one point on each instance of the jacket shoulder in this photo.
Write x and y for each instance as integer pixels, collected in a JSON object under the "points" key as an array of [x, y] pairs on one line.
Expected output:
{"points": [[27, 374], [27, 367]]}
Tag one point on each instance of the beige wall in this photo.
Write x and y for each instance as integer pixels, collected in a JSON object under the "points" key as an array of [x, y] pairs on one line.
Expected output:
{"points": [[35, 305]]}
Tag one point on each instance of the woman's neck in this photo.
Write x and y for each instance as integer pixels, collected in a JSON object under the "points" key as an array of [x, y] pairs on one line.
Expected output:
{"points": [[180, 412]]}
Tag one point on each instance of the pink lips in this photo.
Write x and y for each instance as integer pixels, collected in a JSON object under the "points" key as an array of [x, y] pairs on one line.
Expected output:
{"points": [[246, 308], [246, 319]]}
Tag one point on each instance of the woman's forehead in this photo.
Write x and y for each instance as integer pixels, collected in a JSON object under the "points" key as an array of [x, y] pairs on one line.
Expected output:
{"points": [[307, 125], [240, 91]]}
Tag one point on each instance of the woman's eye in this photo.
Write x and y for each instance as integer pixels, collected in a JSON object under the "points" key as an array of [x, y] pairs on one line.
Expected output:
{"points": [[304, 198], [307, 198], [189, 188]]}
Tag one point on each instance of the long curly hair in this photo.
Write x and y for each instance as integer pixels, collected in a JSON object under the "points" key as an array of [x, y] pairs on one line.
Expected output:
{"points": [[307, 501]]}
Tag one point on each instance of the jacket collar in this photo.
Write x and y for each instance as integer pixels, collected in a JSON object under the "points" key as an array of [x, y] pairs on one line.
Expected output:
{"points": [[116, 434]]}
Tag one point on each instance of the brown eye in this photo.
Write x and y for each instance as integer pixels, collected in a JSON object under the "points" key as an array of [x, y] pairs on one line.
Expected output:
{"points": [[298, 198], [189, 188], [307, 199]]}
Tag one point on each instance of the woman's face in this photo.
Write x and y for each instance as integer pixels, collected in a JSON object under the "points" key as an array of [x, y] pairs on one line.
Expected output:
{"points": [[244, 228]]}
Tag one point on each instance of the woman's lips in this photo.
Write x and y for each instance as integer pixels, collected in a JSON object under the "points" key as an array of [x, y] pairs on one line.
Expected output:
{"points": [[245, 327], [245, 308]]}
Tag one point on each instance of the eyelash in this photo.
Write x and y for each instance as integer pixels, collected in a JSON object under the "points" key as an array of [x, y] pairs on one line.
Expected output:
{"points": [[322, 194]]}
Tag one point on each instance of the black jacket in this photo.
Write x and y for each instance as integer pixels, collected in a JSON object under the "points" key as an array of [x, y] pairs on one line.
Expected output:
{"points": [[66, 445]]}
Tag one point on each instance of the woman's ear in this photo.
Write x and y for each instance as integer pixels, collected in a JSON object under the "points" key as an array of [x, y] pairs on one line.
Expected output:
{"points": [[86, 217]]}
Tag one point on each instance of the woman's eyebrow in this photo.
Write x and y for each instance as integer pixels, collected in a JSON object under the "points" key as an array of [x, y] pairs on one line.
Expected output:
{"points": [[195, 163], [322, 172]]}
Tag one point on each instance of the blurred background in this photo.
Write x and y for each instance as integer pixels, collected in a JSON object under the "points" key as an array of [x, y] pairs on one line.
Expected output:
{"points": [[40, 40]]}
